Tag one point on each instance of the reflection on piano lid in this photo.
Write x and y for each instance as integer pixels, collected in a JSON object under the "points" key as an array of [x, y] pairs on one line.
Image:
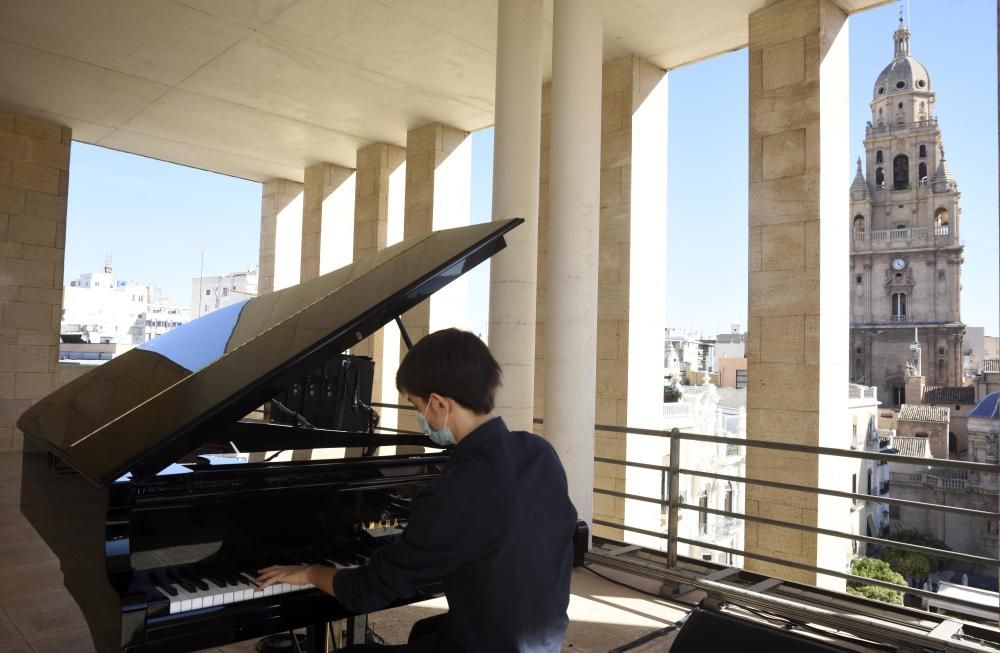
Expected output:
{"points": [[147, 408]]}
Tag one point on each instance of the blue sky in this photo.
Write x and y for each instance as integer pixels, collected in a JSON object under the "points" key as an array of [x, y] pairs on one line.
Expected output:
{"points": [[154, 217]]}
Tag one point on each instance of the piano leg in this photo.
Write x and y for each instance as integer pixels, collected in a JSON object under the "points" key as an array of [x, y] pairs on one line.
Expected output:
{"points": [[317, 639]]}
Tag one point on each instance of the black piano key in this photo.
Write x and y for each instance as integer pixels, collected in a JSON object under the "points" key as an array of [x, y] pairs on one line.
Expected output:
{"points": [[194, 579], [229, 575], [177, 580], [162, 584], [213, 578]]}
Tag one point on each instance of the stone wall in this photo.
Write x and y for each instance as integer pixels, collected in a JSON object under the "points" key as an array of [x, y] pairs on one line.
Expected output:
{"points": [[34, 180]]}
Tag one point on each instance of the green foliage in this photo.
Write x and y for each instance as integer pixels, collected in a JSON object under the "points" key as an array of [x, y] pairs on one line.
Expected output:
{"points": [[916, 567], [672, 394], [878, 570]]}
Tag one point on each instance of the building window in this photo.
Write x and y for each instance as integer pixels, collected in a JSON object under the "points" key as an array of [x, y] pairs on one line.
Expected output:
{"points": [[208, 293], [880, 177], [899, 307], [741, 379], [941, 220], [225, 292], [854, 486], [940, 369], [922, 171], [923, 151], [901, 172], [857, 279], [859, 227], [878, 156], [898, 395], [729, 497], [940, 351]]}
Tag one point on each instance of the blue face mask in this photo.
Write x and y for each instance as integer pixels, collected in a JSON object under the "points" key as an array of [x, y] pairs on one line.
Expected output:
{"points": [[443, 437]]}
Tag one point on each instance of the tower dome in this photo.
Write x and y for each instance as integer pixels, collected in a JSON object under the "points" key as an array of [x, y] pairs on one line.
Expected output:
{"points": [[904, 74]]}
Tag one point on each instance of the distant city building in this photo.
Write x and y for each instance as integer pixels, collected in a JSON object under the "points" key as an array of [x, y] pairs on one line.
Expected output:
{"points": [[693, 353], [732, 344], [906, 254], [214, 292], [99, 309], [959, 488]]}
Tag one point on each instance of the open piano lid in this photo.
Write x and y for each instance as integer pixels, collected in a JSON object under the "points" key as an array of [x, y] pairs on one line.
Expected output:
{"points": [[152, 405]]}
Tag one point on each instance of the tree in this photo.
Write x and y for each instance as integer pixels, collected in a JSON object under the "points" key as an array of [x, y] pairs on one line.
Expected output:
{"points": [[877, 570], [914, 566]]}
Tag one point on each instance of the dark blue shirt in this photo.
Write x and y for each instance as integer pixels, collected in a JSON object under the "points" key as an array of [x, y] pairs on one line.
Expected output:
{"points": [[497, 527]]}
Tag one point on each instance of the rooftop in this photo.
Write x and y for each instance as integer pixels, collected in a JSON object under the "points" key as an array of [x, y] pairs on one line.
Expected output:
{"points": [[918, 413], [915, 447], [950, 395]]}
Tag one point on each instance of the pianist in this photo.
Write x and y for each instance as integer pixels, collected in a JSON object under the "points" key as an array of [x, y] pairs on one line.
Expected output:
{"points": [[496, 526]]}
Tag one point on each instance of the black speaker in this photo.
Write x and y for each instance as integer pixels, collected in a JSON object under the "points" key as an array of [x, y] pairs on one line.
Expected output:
{"points": [[707, 630], [335, 396]]}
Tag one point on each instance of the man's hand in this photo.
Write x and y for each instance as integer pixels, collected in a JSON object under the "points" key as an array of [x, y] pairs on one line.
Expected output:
{"points": [[317, 575]]}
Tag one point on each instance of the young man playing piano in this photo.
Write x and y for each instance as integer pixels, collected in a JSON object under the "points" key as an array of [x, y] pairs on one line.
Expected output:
{"points": [[496, 526]]}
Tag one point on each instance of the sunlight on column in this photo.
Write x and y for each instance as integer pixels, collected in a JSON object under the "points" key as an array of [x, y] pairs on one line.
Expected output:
{"points": [[288, 244]]}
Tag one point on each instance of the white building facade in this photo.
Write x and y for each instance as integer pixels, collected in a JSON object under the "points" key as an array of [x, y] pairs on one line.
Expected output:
{"points": [[214, 292]]}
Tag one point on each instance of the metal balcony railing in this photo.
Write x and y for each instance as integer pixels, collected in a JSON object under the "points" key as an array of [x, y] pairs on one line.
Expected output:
{"points": [[669, 500]]}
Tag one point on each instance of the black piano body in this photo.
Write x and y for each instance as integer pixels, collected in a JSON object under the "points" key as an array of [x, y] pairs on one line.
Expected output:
{"points": [[157, 553]]}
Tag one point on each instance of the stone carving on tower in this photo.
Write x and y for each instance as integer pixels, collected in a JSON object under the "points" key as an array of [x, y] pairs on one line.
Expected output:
{"points": [[906, 255]]}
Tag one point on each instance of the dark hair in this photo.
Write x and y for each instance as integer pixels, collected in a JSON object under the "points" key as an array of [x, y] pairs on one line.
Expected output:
{"points": [[454, 364]]}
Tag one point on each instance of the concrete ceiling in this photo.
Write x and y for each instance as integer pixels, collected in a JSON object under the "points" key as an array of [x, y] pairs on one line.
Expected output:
{"points": [[263, 88]]}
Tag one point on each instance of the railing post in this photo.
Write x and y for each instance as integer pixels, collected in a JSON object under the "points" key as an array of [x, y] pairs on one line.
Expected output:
{"points": [[673, 500]]}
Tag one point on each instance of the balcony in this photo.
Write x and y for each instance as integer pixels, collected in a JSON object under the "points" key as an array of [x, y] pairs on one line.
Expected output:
{"points": [[945, 480], [872, 131], [889, 239]]}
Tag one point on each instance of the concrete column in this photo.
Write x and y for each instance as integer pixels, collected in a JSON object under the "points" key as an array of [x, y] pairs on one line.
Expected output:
{"points": [[379, 166], [327, 220], [280, 235], [516, 143], [571, 300], [631, 288], [34, 178], [798, 281], [438, 196]]}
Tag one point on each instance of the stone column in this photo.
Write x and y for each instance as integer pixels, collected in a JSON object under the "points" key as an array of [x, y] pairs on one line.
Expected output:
{"points": [[377, 165], [631, 288], [516, 143], [798, 281], [574, 221], [327, 220], [34, 178], [438, 195], [280, 235]]}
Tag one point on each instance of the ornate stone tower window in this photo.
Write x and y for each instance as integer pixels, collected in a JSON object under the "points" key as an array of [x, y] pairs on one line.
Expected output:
{"points": [[922, 172], [923, 151], [899, 307], [879, 177], [878, 156], [859, 227], [941, 218], [901, 172]]}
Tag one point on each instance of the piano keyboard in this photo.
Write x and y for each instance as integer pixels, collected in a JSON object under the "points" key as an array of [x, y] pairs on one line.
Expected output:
{"points": [[187, 591]]}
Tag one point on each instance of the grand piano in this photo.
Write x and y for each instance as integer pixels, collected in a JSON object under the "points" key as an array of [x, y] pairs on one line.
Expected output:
{"points": [[123, 473]]}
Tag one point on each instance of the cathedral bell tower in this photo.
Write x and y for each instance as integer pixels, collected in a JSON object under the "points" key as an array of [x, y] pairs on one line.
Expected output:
{"points": [[906, 255]]}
